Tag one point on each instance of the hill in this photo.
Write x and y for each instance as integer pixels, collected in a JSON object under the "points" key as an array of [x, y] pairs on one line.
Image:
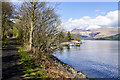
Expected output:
{"points": [[96, 33], [114, 37]]}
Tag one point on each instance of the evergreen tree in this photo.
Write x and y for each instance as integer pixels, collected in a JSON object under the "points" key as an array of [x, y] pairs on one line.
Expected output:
{"points": [[68, 36]]}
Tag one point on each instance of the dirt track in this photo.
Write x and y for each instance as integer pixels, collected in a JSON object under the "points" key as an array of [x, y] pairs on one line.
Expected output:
{"points": [[11, 69]]}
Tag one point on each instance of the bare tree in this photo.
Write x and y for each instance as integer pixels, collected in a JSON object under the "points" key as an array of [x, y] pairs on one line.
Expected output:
{"points": [[29, 13], [77, 37], [47, 32], [39, 25]]}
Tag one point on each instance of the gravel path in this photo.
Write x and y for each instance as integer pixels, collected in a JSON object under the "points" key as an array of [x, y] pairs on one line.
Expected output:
{"points": [[11, 69]]}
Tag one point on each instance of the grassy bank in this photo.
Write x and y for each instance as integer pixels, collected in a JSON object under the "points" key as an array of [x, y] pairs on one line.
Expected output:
{"points": [[31, 69], [36, 67]]}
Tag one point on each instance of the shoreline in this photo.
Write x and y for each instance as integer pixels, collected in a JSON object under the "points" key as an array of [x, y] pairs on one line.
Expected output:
{"points": [[65, 67]]}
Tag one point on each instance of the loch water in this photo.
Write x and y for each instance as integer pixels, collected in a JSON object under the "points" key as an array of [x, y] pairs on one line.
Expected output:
{"points": [[94, 58]]}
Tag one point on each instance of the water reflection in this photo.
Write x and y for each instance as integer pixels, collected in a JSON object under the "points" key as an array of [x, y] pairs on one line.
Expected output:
{"points": [[76, 47], [61, 50], [68, 48]]}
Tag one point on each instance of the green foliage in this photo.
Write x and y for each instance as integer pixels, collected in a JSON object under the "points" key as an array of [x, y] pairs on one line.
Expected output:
{"points": [[68, 36], [15, 31], [31, 69], [34, 74], [5, 41]]}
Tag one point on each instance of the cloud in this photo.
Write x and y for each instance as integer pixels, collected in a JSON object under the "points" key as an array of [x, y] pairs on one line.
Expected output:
{"points": [[102, 12], [86, 22], [97, 10]]}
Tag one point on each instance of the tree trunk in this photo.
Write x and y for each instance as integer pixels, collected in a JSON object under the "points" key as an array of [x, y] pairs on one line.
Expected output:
{"points": [[31, 29]]}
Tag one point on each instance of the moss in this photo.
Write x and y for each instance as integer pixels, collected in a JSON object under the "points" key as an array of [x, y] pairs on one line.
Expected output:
{"points": [[31, 69]]}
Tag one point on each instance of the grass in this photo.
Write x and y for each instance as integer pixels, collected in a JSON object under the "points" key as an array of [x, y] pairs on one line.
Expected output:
{"points": [[31, 69], [5, 41]]}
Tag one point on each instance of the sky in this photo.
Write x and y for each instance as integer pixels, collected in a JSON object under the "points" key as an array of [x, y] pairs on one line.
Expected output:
{"points": [[88, 15]]}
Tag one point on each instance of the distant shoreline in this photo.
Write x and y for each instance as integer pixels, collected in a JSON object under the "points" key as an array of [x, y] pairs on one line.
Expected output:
{"points": [[102, 40]]}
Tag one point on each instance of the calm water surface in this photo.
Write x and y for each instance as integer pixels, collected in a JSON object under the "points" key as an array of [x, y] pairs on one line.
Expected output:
{"points": [[94, 58]]}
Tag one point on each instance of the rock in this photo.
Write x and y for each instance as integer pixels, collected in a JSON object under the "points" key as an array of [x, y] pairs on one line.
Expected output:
{"points": [[64, 67]]}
